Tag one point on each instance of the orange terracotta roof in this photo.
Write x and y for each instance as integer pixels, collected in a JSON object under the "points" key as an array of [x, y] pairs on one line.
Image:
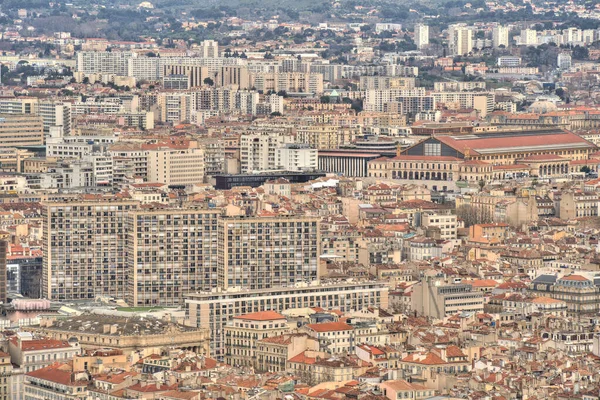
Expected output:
{"points": [[578, 278], [330, 327]]}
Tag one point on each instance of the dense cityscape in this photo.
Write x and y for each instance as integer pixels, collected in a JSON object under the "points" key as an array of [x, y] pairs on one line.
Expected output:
{"points": [[331, 200]]}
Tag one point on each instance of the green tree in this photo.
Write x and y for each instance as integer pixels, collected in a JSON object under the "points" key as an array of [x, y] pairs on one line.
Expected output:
{"points": [[208, 81]]}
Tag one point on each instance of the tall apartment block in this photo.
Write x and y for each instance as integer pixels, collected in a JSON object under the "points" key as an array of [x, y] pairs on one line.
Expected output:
{"points": [[84, 248], [258, 152], [170, 253], [21, 130], [500, 36], [265, 252], [233, 76], [460, 39], [421, 35], [104, 62]]}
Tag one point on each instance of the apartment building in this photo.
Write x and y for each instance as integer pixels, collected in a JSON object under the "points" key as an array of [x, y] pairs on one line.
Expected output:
{"points": [[577, 204], [29, 354], [265, 252], [170, 253], [379, 99], [444, 225], [209, 49], [287, 81], [174, 107], [244, 332], [96, 107], [325, 136], [258, 152], [421, 35], [296, 157], [460, 39], [272, 353], [482, 102], [145, 68], [130, 159], [21, 130], [333, 337], [57, 382], [104, 62], [84, 248], [237, 76], [6, 370], [52, 112], [500, 36], [452, 86], [212, 310], [196, 74], [387, 82], [174, 165]]}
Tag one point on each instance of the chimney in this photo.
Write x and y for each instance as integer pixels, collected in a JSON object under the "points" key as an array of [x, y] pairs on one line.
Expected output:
{"points": [[105, 328], [443, 354]]}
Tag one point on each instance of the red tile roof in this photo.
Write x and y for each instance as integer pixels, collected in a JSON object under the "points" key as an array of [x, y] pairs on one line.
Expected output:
{"points": [[474, 143], [303, 359], [40, 344], [330, 327], [574, 278], [57, 373]]}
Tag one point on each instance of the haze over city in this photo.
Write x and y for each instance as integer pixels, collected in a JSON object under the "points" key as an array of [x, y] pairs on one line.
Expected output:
{"points": [[299, 200]]}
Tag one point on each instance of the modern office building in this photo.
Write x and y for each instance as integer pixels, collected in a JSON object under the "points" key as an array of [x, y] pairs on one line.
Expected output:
{"points": [[213, 310], [436, 299], [21, 130], [266, 252], [170, 253], [84, 248], [176, 165]]}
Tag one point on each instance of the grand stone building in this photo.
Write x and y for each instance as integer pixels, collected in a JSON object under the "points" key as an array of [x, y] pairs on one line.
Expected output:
{"points": [[128, 334], [581, 294]]}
